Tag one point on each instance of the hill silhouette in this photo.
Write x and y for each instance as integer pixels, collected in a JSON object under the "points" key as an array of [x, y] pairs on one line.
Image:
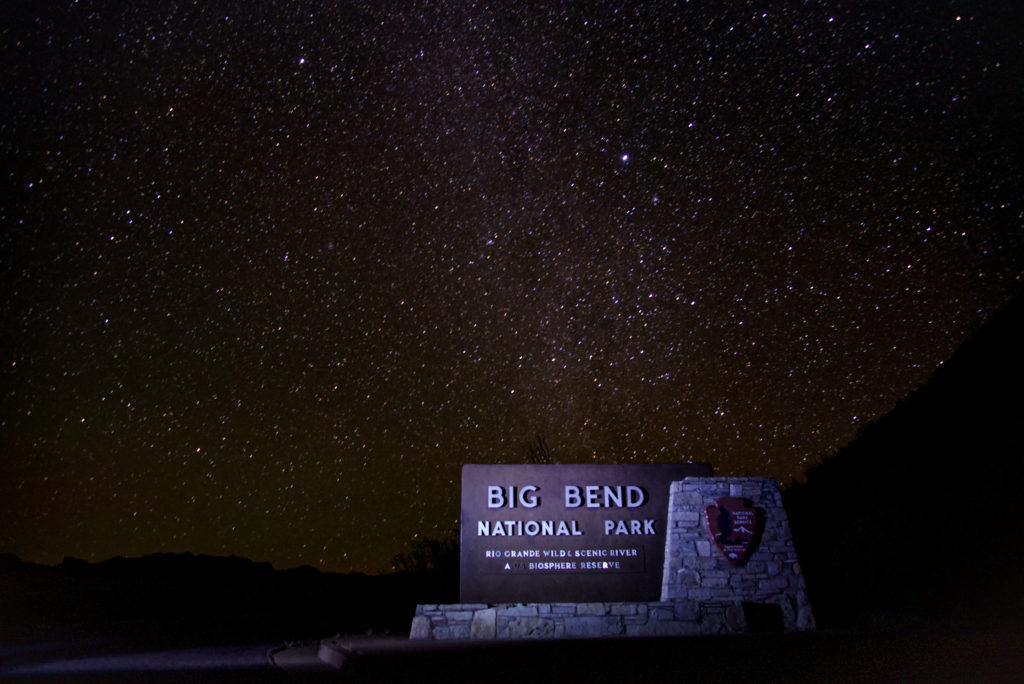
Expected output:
{"points": [[918, 522], [181, 599]]}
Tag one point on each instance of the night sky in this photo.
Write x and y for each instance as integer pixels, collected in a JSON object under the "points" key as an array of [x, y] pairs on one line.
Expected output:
{"points": [[273, 271]]}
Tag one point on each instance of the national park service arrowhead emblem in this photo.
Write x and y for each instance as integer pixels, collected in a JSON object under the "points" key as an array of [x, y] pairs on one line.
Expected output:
{"points": [[735, 526]]}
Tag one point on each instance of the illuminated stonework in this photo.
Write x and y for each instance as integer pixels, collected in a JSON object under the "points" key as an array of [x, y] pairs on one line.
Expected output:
{"points": [[703, 591], [696, 572]]}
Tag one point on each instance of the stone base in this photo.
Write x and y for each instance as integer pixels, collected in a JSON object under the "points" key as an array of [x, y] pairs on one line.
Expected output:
{"points": [[586, 620], [695, 570]]}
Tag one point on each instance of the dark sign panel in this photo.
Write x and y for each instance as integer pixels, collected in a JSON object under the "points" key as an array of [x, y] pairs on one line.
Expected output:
{"points": [[554, 533]]}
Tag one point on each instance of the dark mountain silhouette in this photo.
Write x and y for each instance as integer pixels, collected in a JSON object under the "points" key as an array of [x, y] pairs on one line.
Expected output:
{"points": [[918, 522], [185, 599]]}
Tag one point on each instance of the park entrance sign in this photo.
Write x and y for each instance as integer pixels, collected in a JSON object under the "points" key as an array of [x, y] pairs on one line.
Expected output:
{"points": [[553, 551], [566, 533]]}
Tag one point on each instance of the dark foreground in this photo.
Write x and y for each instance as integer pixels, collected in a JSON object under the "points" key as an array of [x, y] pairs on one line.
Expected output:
{"points": [[754, 658], [114, 660], [819, 657]]}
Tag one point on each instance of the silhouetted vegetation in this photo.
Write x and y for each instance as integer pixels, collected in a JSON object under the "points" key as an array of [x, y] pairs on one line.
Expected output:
{"points": [[918, 522], [538, 451], [184, 599], [434, 563]]}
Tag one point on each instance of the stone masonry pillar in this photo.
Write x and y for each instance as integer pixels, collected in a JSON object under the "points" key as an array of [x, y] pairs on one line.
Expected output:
{"points": [[768, 586]]}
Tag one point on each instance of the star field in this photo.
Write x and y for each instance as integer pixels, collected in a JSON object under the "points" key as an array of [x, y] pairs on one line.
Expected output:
{"points": [[274, 271]]}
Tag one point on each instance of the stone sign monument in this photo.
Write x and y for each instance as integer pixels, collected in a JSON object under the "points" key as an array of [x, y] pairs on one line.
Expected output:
{"points": [[565, 532], [631, 550]]}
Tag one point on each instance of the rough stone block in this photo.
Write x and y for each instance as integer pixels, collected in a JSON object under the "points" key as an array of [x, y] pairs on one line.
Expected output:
{"points": [[691, 499], [686, 611], [688, 578], [773, 585], [735, 619], [703, 548], [712, 623], [709, 563], [594, 626], [591, 609], [531, 628], [678, 628], [484, 625], [623, 609], [663, 629], [712, 608], [420, 628], [641, 629], [687, 518], [789, 612], [743, 583], [662, 612], [523, 610], [804, 618]]}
